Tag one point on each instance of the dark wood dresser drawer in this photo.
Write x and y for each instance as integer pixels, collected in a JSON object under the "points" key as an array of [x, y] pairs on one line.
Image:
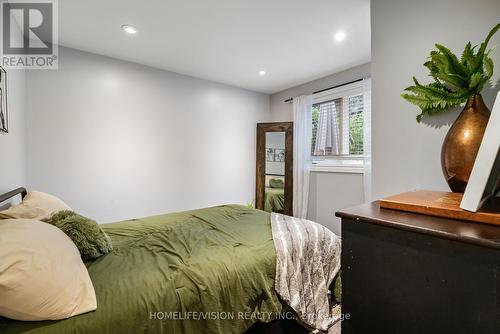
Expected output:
{"points": [[409, 273]]}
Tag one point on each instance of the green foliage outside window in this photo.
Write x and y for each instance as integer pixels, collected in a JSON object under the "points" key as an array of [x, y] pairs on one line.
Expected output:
{"points": [[356, 120], [356, 134]]}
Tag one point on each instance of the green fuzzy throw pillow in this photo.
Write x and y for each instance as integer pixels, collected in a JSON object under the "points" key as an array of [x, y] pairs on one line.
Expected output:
{"points": [[88, 237], [276, 183]]}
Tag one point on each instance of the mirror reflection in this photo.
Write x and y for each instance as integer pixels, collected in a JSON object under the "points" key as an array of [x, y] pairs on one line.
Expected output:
{"points": [[275, 172]]}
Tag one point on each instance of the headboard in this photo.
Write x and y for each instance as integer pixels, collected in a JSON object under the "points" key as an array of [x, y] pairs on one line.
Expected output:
{"points": [[13, 193]]}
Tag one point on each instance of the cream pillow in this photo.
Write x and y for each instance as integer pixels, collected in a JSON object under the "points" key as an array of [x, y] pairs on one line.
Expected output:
{"points": [[36, 205], [42, 276]]}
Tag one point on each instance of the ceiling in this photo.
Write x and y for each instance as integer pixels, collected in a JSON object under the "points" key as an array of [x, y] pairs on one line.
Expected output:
{"points": [[227, 41]]}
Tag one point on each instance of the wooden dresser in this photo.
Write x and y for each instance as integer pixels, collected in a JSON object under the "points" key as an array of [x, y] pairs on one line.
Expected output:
{"points": [[408, 273]]}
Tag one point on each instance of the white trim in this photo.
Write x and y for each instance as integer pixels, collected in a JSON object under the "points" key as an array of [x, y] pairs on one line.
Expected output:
{"points": [[339, 165], [338, 169]]}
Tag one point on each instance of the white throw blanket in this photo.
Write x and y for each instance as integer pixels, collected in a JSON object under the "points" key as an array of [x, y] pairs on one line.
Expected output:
{"points": [[307, 260]]}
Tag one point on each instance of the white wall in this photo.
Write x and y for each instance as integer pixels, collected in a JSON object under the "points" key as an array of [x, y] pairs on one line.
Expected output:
{"points": [[406, 155], [328, 192], [12, 144], [118, 140]]}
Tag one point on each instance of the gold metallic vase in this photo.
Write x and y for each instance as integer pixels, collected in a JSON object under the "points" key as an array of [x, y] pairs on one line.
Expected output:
{"points": [[462, 142]]}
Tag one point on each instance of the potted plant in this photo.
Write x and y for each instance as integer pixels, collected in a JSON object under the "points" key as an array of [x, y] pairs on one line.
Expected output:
{"points": [[457, 81]]}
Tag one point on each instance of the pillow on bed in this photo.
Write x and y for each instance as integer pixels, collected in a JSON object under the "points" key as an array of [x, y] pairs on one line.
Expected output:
{"points": [[36, 205], [89, 238], [42, 274], [276, 183]]}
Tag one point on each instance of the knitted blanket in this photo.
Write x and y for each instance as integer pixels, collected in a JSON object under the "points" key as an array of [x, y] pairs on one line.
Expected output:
{"points": [[307, 260]]}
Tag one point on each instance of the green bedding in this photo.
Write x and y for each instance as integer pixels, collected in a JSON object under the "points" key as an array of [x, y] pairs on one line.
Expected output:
{"points": [[275, 200], [212, 260]]}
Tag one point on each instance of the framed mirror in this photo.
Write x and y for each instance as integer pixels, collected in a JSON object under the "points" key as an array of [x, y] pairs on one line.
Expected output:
{"points": [[274, 179]]}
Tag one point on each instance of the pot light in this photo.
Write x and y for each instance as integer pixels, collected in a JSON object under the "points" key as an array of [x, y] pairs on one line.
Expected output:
{"points": [[340, 36], [129, 29], [262, 73]]}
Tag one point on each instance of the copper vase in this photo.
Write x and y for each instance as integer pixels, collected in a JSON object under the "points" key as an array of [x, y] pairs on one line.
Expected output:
{"points": [[462, 142]]}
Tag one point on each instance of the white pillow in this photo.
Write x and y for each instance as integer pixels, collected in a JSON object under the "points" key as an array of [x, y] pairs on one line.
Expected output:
{"points": [[35, 205], [42, 276]]}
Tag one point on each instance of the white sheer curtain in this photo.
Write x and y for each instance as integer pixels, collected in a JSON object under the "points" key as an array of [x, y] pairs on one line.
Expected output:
{"points": [[367, 138], [327, 134], [302, 137]]}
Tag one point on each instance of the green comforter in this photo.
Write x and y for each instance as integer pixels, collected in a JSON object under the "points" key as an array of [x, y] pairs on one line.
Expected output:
{"points": [[216, 263], [275, 200]]}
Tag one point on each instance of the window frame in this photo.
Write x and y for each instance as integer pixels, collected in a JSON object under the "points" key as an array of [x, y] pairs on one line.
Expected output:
{"points": [[340, 163]]}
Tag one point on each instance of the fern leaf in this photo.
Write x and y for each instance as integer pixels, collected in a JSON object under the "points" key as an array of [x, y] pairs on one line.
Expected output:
{"points": [[453, 63], [441, 68], [452, 79], [478, 80], [467, 53], [492, 32], [488, 67], [475, 80], [455, 79], [419, 101], [437, 90], [429, 112], [426, 100], [468, 58], [482, 48]]}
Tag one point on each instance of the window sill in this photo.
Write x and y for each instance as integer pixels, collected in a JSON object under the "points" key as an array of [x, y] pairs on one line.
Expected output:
{"points": [[337, 169]]}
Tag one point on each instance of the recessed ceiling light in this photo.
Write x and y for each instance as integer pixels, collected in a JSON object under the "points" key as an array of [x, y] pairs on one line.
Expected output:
{"points": [[129, 29], [262, 73], [340, 36]]}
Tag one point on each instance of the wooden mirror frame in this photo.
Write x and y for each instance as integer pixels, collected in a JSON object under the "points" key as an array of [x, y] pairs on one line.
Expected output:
{"points": [[260, 178]]}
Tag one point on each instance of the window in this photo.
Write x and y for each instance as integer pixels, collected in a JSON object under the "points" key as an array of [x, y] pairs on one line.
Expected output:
{"points": [[338, 127]]}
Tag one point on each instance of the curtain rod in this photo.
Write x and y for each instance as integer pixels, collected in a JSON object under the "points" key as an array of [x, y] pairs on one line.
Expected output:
{"points": [[323, 90]]}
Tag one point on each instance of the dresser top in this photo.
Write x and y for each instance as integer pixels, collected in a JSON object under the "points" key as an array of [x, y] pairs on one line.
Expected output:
{"points": [[474, 233]]}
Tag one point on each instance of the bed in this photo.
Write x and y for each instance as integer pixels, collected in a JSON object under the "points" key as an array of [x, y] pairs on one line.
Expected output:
{"points": [[201, 271], [274, 193], [275, 200]]}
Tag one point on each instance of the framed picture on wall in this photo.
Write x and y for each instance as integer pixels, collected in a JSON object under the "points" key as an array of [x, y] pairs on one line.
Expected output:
{"points": [[279, 155], [4, 116], [270, 154]]}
